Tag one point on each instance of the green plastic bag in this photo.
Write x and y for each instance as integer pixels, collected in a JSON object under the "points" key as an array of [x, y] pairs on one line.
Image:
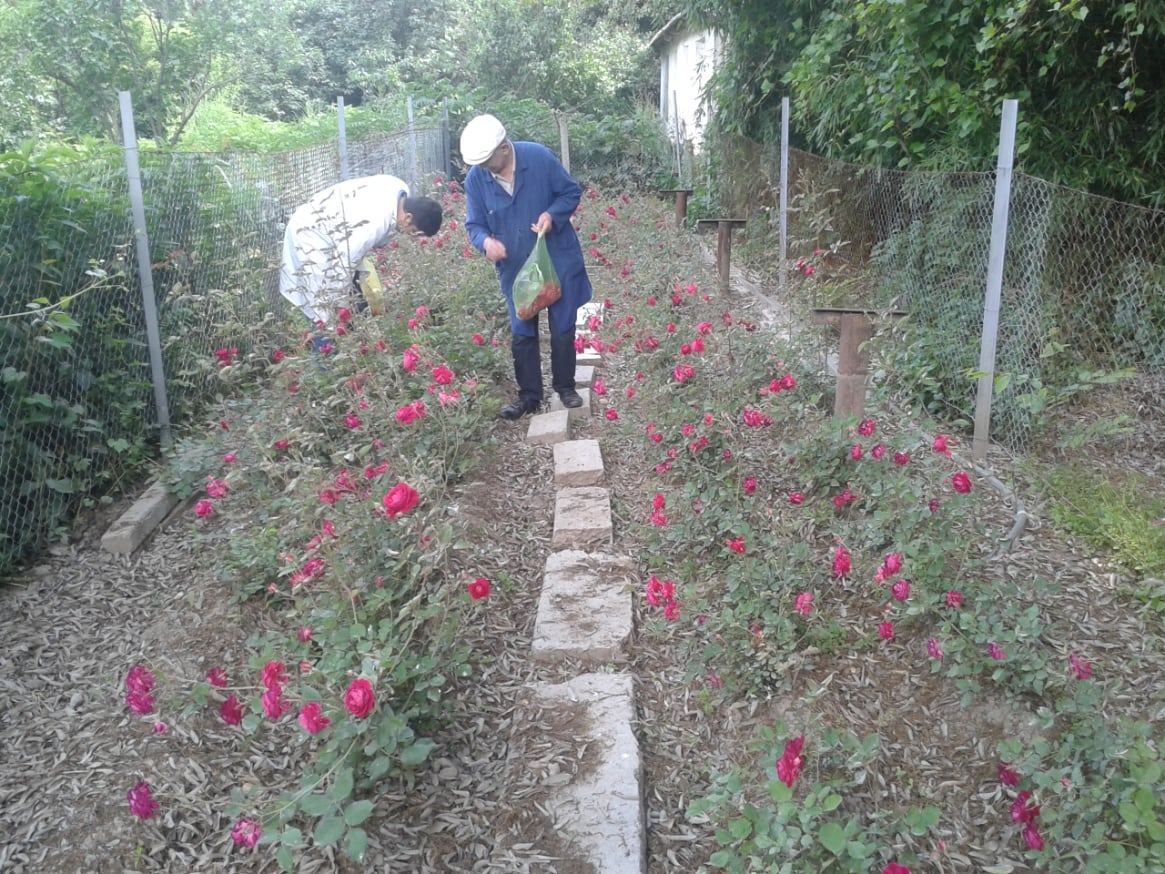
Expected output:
{"points": [[536, 285]]}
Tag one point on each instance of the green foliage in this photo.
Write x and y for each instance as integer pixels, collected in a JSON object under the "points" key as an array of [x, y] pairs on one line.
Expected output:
{"points": [[73, 379], [794, 828], [553, 52], [1120, 518], [763, 38], [1098, 785], [920, 84]]}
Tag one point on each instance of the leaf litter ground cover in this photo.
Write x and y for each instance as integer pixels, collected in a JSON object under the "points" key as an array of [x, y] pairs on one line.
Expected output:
{"points": [[836, 665]]}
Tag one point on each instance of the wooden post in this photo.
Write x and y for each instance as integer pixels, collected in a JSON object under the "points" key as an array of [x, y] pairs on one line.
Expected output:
{"points": [[724, 229], [681, 195], [853, 356], [723, 253], [853, 364]]}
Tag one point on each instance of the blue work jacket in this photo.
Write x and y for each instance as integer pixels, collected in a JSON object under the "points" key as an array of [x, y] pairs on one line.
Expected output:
{"points": [[541, 184]]}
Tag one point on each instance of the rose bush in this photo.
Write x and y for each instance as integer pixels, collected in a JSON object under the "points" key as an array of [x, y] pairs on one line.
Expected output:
{"points": [[773, 540], [328, 507]]}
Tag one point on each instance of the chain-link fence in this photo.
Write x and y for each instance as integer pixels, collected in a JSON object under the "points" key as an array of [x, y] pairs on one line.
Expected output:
{"points": [[77, 404], [1083, 284]]}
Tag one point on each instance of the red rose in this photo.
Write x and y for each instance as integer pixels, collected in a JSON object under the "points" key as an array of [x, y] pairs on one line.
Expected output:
{"points": [[360, 699], [401, 499], [311, 719], [479, 589]]}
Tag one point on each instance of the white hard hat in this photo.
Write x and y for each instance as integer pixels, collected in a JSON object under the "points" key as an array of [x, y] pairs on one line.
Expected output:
{"points": [[480, 138]]}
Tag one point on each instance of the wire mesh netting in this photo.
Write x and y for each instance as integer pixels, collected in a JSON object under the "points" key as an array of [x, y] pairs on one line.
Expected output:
{"points": [[1083, 283], [77, 405]]}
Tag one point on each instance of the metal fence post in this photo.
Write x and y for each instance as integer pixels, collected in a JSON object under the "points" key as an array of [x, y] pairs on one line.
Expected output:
{"points": [[343, 136], [446, 138], [783, 265], [412, 148], [994, 280], [145, 270], [563, 138]]}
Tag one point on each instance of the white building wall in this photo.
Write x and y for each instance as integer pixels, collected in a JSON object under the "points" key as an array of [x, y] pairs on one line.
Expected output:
{"points": [[685, 68]]}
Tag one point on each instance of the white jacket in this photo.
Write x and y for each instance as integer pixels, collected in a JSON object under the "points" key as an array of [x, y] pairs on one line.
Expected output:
{"points": [[328, 236]]}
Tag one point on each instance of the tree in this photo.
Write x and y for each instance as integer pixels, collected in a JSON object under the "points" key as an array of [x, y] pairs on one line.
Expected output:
{"points": [[170, 54], [549, 50], [920, 82]]}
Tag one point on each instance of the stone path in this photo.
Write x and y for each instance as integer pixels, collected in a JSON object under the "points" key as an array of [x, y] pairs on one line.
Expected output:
{"points": [[585, 617]]}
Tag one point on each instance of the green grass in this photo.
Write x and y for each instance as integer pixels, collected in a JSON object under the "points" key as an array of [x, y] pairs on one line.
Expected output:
{"points": [[1122, 517]]}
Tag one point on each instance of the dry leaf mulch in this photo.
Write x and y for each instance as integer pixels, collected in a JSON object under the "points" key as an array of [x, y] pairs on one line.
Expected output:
{"points": [[75, 623]]}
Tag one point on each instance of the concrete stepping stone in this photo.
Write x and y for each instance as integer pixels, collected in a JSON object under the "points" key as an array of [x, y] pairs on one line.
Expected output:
{"points": [[582, 518], [574, 753], [583, 317], [587, 358], [578, 463], [584, 376], [583, 412], [552, 427], [138, 522], [585, 608]]}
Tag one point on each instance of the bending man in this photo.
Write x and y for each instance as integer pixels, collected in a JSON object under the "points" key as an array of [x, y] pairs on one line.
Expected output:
{"points": [[328, 236]]}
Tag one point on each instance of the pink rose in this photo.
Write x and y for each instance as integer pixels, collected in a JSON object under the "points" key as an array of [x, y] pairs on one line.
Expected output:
{"points": [[273, 675], [479, 589], [1008, 776], [140, 702], [311, 719], [841, 562], [246, 832], [359, 699], [804, 604], [401, 499], [141, 801], [231, 711], [273, 704], [789, 765], [139, 679]]}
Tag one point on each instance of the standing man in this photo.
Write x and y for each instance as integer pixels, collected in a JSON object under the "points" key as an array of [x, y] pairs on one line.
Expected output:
{"points": [[328, 236], [515, 191]]}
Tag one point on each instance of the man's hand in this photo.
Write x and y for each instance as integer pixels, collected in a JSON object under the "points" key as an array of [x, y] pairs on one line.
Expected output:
{"points": [[543, 225], [495, 250]]}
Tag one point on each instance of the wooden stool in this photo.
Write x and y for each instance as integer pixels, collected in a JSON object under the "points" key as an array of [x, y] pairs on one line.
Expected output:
{"points": [[724, 229], [853, 357]]}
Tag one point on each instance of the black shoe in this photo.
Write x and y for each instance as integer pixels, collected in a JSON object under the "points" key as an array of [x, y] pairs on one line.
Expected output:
{"points": [[570, 399], [515, 411]]}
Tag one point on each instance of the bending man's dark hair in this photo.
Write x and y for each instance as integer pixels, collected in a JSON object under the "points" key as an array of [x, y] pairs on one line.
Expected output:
{"points": [[426, 214]]}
